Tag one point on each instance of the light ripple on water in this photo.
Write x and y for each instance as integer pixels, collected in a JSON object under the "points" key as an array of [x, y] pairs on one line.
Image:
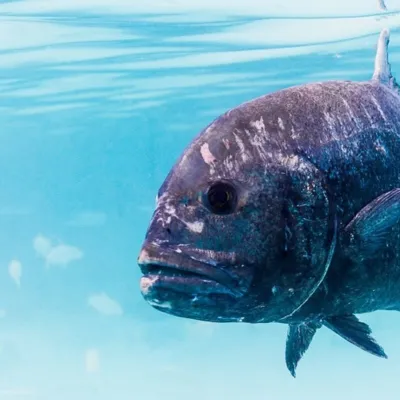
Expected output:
{"points": [[85, 56], [255, 8]]}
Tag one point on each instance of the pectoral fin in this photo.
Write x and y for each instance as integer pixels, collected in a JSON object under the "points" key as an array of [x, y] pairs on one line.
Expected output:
{"points": [[348, 327], [355, 332], [370, 229], [298, 340]]}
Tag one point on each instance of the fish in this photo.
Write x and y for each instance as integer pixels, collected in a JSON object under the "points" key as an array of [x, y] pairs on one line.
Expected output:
{"points": [[286, 209]]}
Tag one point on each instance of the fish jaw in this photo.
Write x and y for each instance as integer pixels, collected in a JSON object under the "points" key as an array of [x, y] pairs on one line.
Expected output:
{"points": [[176, 283]]}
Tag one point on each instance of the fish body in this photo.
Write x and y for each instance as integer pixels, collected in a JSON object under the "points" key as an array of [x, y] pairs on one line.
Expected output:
{"points": [[286, 209]]}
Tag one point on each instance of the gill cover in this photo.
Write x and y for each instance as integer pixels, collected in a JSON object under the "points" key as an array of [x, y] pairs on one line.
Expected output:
{"points": [[310, 239]]}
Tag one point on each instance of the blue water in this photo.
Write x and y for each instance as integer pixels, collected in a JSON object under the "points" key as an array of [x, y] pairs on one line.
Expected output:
{"points": [[97, 100]]}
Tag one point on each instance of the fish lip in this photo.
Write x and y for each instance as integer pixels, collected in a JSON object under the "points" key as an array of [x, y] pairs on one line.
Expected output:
{"points": [[183, 285], [172, 261]]}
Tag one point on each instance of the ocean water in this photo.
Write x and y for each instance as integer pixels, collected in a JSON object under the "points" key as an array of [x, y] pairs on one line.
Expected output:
{"points": [[97, 100]]}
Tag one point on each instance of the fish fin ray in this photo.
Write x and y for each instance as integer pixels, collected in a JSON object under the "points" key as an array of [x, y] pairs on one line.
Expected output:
{"points": [[371, 227], [382, 72], [298, 340], [350, 328]]}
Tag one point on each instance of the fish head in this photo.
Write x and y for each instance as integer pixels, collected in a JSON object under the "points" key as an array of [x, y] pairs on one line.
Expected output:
{"points": [[235, 236]]}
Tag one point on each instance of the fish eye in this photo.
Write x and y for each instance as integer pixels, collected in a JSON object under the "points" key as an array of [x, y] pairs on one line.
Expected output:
{"points": [[221, 198]]}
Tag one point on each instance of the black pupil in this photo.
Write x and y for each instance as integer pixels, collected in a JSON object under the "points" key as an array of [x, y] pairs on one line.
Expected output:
{"points": [[221, 198]]}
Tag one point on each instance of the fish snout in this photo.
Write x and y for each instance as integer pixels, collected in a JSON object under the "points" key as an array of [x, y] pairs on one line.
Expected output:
{"points": [[163, 262]]}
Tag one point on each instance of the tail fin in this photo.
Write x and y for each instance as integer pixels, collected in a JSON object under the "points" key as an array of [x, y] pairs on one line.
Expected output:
{"points": [[382, 72]]}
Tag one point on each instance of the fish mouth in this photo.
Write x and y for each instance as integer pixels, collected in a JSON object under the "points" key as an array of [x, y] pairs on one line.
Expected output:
{"points": [[169, 269]]}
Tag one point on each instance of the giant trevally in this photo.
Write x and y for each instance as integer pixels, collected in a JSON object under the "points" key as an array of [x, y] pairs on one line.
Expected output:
{"points": [[286, 209]]}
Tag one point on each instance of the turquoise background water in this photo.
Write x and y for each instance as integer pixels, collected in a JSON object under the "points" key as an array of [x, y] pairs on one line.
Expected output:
{"points": [[97, 100]]}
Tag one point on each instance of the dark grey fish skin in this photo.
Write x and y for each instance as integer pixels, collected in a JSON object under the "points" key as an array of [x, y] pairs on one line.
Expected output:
{"points": [[310, 235]]}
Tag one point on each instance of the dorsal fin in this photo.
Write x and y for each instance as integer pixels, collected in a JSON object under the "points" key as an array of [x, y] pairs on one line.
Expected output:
{"points": [[382, 5], [382, 72]]}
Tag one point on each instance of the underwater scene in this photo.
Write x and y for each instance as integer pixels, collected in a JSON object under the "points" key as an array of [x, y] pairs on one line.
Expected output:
{"points": [[199, 199]]}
